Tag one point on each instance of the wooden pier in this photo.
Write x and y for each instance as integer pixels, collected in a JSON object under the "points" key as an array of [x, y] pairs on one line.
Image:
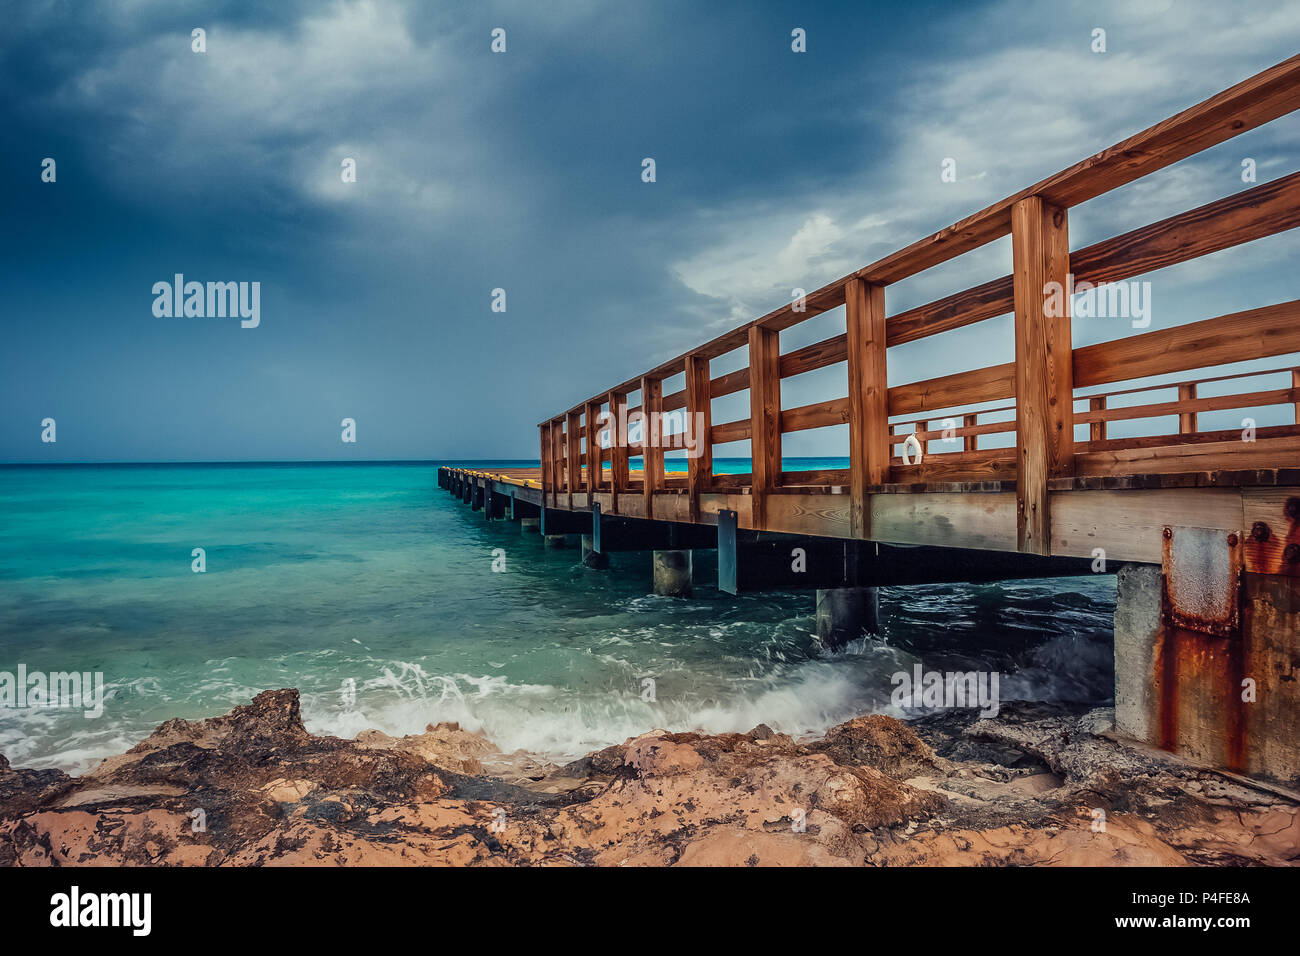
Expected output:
{"points": [[1063, 492]]}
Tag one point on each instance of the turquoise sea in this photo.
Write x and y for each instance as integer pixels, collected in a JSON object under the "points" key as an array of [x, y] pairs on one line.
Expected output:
{"points": [[330, 576]]}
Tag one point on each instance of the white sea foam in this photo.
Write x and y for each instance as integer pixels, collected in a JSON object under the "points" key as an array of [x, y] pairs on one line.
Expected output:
{"points": [[560, 723]]}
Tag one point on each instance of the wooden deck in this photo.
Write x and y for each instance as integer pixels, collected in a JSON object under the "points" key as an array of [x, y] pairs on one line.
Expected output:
{"points": [[1065, 485]]}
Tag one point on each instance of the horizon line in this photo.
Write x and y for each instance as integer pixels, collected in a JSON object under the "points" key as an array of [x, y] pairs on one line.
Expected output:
{"points": [[329, 461]]}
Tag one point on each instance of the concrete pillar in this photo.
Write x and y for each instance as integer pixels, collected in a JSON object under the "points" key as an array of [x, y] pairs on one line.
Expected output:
{"points": [[1137, 634], [555, 541], [530, 525], [592, 558], [1232, 703], [845, 614], [672, 573], [1271, 617]]}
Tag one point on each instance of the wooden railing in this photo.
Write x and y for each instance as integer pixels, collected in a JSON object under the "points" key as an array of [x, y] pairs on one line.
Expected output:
{"points": [[1039, 390]]}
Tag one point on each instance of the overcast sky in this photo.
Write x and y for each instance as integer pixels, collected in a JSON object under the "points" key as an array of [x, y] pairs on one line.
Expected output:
{"points": [[522, 170]]}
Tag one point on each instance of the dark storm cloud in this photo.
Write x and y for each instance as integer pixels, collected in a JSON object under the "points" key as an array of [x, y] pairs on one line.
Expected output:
{"points": [[521, 171]]}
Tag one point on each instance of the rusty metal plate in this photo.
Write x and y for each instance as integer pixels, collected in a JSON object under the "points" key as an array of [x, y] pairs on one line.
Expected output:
{"points": [[1202, 580]]}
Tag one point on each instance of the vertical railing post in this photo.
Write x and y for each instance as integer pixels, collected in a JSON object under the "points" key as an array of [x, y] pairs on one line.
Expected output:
{"points": [[1097, 429], [617, 452], [699, 425], [970, 442], [1187, 420], [593, 452], [1295, 383], [559, 475], [652, 451], [764, 417], [545, 476], [869, 432], [1044, 374], [573, 453]]}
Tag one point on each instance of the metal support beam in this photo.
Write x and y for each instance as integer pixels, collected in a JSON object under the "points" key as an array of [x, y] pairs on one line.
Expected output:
{"points": [[565, 522], [638, 534], [727, 578]]}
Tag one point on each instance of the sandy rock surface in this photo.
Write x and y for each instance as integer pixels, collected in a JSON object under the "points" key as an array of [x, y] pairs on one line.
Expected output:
{"points": [[1036, 785]]}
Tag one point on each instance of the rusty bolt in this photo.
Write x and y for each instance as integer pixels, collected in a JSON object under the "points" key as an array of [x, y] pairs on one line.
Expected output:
{"points": [[1259, 531], [1293, 508], [1169, 532], [1292, 554], [1232, 540]]}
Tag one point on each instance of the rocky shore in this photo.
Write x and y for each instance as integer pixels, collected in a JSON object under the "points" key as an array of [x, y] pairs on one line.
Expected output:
{"points": [[1036, 785]]}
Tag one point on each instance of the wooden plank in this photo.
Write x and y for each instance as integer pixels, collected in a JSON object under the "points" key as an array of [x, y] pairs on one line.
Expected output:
{"points": [[1180, 456], [1044, 385], [618, 454], [1268, 556], [868, 397], [993, 464], [816, 476], [816, 415], [815, 356], [1128, 525], [699, 408], [764, 415], [1156, 441], [1255, 333], [1187, 406], [1199, 380], [544, 430], [730, 431], [733, 482], [951, 391], [652, 453], [970, 437], [1295, 383], [671, 507], [593, 447], [573, 454], [985, 520], [711, 504], [821, 515], [1254, 213], [815, 303], [1097, 427], [660, 372], [558, 471], [964, 431], [730, 383], [952, 312]]}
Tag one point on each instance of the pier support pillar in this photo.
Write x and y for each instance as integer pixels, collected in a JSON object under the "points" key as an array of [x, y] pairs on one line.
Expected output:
{"points": [[1229, 702], [672, 573], [1137, 634], [592, 558], [555, 541], [845, 614], [530, 525]]}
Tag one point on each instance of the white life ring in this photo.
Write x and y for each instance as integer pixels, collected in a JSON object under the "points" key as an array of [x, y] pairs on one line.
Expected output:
{"points": [[915, 444]]}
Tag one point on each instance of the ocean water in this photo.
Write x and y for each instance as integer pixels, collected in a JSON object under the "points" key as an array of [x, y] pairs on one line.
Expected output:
{"points": [[325, 577]]}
